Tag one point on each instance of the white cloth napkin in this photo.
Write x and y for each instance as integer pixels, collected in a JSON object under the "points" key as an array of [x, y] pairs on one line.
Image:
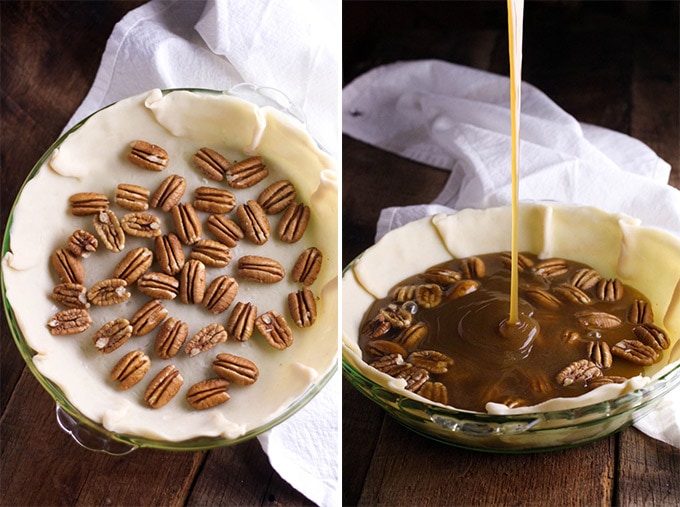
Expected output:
{"points": [[457, 118], [292, 47]]}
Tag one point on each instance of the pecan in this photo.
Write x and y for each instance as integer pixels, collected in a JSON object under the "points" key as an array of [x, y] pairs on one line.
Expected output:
{"points": [[187, 224], [88, 203], [542, 298], [253, 222], [68, 267], [594, 382], [273, 326], [170, 338], [71, 295], [135, 263], [109, 230], [377, 327], [112, 335], [158, 285], [600, 354], [307, 266], [163, 387], [108, 292], [148, 156], [425, 295], [208, 393], [434, 391], [242, 321], [211, 253], [205, 339], [214, 200], [635, 352], [141, 225], [472, 267], [213, 165], [379, 348], [415, 378], [391, 364], [260, 269], [132, 197], [192, 282], [571, 294], [220, 294], [293, 223], [442, 276], [523, 262], [71, 321], [578, 371], [585, 278], [225, 230], [397, 316], [550, 268], [640, 312], [148, 318], [430, 360], [652, 335], [169, 253], [277, 196], [169, 192], [411, 337], [609, 290], [130, 369], [461, 288], [246, 173], [302, 307], [571, 337], [82, 243], [237, 370], [597, 320]]}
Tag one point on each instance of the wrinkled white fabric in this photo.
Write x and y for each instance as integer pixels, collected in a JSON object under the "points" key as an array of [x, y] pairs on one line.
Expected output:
{"points": [[291, 47], [458, 118]]}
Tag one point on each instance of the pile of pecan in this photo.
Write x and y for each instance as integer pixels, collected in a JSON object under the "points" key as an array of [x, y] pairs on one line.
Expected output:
{"points": [[185, 276]]}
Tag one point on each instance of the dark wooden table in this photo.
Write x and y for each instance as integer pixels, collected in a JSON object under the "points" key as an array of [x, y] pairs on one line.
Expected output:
{"points": [[613, 64], [50, 54]]}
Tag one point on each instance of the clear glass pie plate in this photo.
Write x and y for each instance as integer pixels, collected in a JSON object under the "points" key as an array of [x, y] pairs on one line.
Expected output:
{"points": [[269, 105], [616, 245]]}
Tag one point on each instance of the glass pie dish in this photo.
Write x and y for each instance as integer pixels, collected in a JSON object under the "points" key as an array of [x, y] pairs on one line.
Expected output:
{"points": [[614, 245], [245, 121]]}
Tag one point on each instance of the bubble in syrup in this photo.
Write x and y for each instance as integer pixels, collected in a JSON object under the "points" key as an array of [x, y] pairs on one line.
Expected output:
{"points": [[411, 307]]}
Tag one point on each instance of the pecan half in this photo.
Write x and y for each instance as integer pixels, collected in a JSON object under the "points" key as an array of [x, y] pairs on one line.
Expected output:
{"points": [[242, 321], [430, 360], [67, 266], [307, 266], [578, 371], [302, 307], [597, 320], [108, 292], [208, 393], [130, 369], [428, 295], [609, 290], [71, 295], [293, 223], [415, 378], [462, 288], [434, 391], [585, 278], [169, 253], [236, 369], [132, 197], [543, 298], [205, 339], [550, 268], [391, 364], [213, 165], [635, 352], [225, 230], [277, 196], [640, 312], [442, 276], [71, 321], [108, 228], [411, 337], [397, 316], [260, 269], [148, 156], [600, 354], [246, 173], [170, 338], [214, 200], [571, 294], [158, 285], [192, 282], [379, 348], [377, 327], [163, 387], [604, 380], [148, 318], [88, 203], [82, 243], [652, 335], [523, 262], [141, 225], [211, 253], [169, 192], [135, 263], [187, 224], [112, 335], [220, 294], [254, 222], [273, 326], [472, 267]]}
